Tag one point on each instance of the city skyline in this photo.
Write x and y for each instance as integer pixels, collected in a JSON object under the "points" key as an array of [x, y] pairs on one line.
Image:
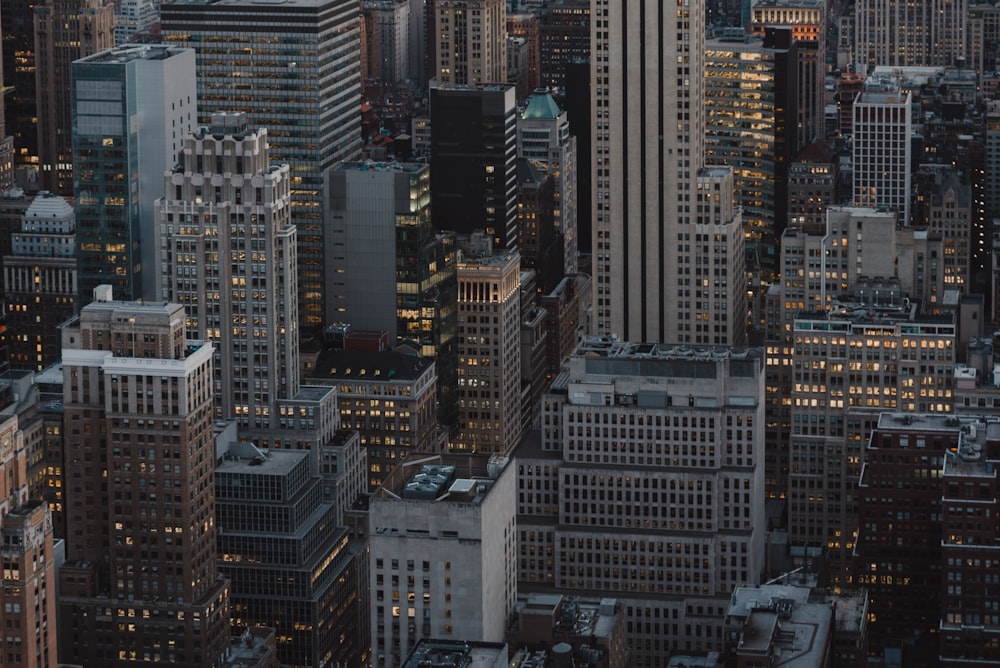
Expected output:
{"points": [[338, 330]]}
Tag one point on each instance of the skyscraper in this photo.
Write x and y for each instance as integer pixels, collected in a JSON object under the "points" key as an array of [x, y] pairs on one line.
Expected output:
{"points": [[647, 484], [543, 137], [391, 31], [474, 158], [489, 354], [227, 253], [65, 31], [365, 203], [649, 142], [900, 33], [751, 128], [807, 19], [39, 282], [473, 41], [6, 142], [294, 69], [140, 582], [29, 592], [128, 102], [442, 560], [18, 18], [882, 148]]}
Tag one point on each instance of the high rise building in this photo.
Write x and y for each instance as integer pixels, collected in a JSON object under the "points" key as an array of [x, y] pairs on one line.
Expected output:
{"points": [[388, 397], [132, 108], [39, 282], [29, 600], [898, 554], [227, 253], [18, 19], [391, 30], [898, 33], [366, 202], [543, 138], [753, 131], [474, 154], [29, 594], [655, 264], [807, 19], [134, 16], [871, 352], [565, 38], [6, 141], [882, 149], [442, 561], [648, 485], [528, 28], [140, 581], [992, 159], [538, 242], [970, 584], [304, 87], [65, 31], [942, 205], [472, 36], [288, 558], [489, 354], [813, 185]]}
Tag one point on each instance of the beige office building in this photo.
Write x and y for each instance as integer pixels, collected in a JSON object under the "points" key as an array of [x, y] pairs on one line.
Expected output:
{"points": [[646, 483], [470, 39], [654, 261], [489, 354]]}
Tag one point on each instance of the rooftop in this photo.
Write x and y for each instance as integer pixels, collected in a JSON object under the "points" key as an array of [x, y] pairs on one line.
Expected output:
{"points": [[246, 458], [47, 205], [781, 619], [124, 54], [249, 649], [611, 347], [541, 106], [371, 366], [456, 654], [372, 166], [439, 478]]}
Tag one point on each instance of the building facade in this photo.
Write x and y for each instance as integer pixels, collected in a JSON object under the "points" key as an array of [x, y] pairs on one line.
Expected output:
{"points": [[442, 553], [646, 482], [543, 138], [227, 253], [807, 20], [127, 102], [40, 282], [474, 153], [64, 32], [289, 560], [389, 398], [366, 203], [648, 137], [470, 41], [870, 353], [489, 354], [140, 582], [304, 87], [391, 31], [564, 34], [897, 33], [882, 153], [753, 132]]}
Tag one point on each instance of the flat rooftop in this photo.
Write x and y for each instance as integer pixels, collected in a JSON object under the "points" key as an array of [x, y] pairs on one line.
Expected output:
{"points": [[274, 462], [443, 477], [373, 166], [456, 654]]}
